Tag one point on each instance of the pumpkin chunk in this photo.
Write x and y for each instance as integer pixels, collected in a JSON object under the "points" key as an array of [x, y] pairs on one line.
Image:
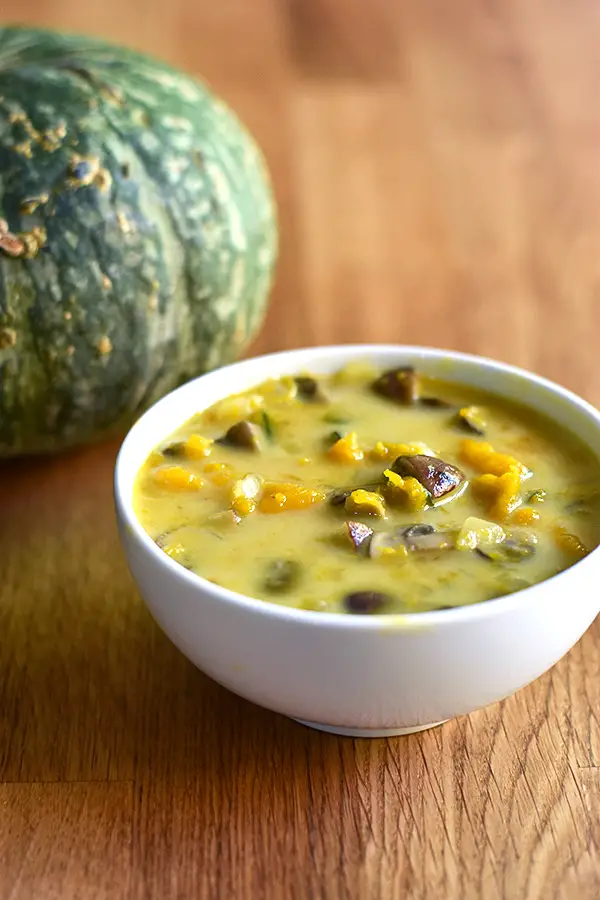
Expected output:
{"points": [[408, 490], [367, 502], [218, 473], [570, 543], [499, 493], [386, 450], [282, 496], [177, 478], [197, 447], [338, 496], [525, 516], [485, 459], [346, 449]]}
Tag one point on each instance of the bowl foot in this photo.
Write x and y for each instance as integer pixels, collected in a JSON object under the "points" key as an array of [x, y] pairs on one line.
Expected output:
{"points": [[369, 732]]}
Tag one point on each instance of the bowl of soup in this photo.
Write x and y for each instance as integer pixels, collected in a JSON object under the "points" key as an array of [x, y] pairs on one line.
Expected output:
{"points": [[369, 539]]}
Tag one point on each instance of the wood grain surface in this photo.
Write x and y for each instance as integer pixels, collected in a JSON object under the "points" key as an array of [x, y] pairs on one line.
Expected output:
{"points": [[438, 172]]}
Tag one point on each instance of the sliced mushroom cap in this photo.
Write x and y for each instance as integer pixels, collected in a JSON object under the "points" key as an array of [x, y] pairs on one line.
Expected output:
{"points": [[401, 385], [365, 602], [383, 542], [360, 536], [338, 496], [414, 538], [418, 530], [434, 542], [243, 435], [309, 389], [424, 537], [436, 476]]}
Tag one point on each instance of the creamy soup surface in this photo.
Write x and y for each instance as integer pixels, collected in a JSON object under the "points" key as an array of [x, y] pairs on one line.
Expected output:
{"points": [[370, 492]]}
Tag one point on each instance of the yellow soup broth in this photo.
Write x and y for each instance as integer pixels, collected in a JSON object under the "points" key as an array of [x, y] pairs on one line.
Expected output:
{"points": [[370, 492]]}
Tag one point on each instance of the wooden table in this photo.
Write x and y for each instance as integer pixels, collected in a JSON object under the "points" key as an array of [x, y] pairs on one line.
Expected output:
{"points": [[438, 171]]}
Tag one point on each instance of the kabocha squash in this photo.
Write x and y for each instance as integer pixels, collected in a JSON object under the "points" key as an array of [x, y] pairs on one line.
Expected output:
{"points": [[137, 236]]}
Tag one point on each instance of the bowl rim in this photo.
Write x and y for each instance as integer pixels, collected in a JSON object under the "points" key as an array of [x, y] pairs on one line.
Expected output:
{"points": [[123, 495]]}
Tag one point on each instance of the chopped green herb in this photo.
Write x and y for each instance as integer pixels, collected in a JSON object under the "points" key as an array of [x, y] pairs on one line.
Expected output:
{"points": [[268, 427], [333, 437]]}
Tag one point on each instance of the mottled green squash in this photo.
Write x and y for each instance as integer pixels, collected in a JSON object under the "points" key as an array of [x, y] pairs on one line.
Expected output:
{"points": [[137, 236]]}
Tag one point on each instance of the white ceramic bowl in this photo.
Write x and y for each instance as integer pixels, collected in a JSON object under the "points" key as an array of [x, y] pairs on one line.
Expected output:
{"points": [[362, 676]]}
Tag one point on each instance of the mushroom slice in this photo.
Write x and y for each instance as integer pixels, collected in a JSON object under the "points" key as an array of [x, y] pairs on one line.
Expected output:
{"points": [[411, 539], [435, 475], [360, 535], [243, 435], [399, 384], [310, 390], [384, 543], [366, 602], [425, 537]]}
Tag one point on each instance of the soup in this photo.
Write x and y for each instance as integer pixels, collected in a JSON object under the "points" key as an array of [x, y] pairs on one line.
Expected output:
{"points": [[371, 492]]}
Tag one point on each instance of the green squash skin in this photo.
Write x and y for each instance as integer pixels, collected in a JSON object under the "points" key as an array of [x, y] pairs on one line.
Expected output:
{"points": [[160, 237]]}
